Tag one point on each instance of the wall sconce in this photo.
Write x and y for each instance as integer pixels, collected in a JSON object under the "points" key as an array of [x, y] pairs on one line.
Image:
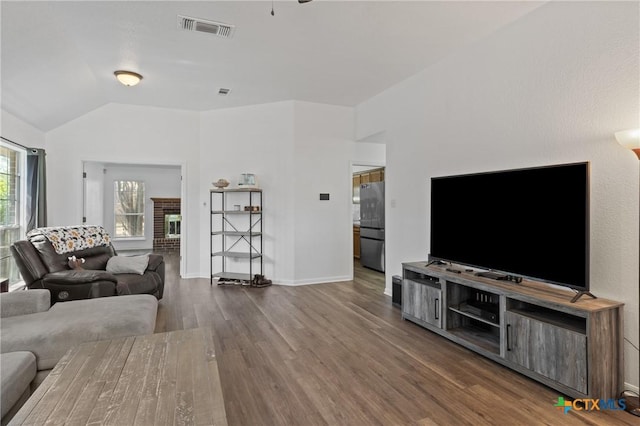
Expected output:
{"points": [[630, 139], [128, 78]]}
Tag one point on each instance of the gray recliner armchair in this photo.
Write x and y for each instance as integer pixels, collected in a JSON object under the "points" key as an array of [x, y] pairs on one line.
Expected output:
{"points": [[44, 264]]}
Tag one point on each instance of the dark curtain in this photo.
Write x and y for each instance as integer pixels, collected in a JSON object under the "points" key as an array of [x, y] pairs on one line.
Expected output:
{"points": [[36, 189]]}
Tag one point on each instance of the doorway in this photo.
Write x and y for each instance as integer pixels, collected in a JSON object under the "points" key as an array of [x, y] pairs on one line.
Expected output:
{"points": [[368, 207], [106, 183]]}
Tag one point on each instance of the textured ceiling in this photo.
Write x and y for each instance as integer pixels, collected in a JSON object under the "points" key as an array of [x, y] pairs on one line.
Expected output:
{"points": [[58, 57]]}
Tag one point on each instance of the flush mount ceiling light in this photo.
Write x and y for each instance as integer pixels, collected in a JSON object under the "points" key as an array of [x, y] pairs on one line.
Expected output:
{"points": [[128, 78]]}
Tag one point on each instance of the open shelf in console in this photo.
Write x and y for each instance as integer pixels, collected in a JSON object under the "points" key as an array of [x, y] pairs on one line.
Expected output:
{"points": [[477, 333], [466, 312], [473, 315], [550, 316], [421, 278]]}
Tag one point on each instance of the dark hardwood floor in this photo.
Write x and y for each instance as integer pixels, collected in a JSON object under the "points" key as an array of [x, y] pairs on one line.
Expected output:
{"points": [[340, 354]]}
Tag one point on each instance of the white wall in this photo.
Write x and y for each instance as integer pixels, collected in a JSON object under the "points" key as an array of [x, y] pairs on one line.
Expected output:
{"points": [[550, 88], [118, 133], [368, 153], [322, 164], [159, 182], [20, 132], [259, 140], [296, 150]]}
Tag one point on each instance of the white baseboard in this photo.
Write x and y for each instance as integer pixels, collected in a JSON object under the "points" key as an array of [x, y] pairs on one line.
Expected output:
{"points": [[322, 280], [193, 275], [387, 292]]}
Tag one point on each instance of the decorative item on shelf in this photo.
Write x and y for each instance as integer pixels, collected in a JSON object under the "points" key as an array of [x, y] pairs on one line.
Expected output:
{"points": [[247, 180], [251, 208], [221, 183]]}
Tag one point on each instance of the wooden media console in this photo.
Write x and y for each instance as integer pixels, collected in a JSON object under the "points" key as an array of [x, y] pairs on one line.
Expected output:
{"points": [[531, 327]]}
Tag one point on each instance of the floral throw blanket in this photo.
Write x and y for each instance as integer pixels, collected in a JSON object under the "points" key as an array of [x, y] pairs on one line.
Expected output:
{"points": [[66, 239]]}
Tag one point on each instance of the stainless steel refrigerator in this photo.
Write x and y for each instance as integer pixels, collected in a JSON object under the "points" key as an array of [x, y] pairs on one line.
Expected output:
{"points": [[372, 225]]}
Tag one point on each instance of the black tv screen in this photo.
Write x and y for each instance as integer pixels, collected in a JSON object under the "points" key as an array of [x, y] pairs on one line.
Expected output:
{"points": [[531, 223]]}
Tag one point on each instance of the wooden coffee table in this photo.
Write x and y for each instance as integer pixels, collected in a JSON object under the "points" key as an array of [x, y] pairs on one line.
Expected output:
{"points": [[158, 379]]}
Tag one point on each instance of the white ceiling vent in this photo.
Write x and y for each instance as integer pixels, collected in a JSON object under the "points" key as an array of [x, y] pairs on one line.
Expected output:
{"points": [[202, 25], [223, 91]]}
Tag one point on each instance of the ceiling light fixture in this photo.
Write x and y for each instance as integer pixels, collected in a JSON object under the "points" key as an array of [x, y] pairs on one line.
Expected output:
{"points": [[128, 78]]}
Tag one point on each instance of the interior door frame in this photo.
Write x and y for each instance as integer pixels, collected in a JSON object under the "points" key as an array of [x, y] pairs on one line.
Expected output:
{"points": [[373, 165], [184, 225]]}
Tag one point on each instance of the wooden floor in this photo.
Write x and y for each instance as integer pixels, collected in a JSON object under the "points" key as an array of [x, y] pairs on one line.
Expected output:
{"points": [[340, 354]]}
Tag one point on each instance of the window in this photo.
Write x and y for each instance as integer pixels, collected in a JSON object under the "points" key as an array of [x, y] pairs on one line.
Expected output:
{"points": [[128, 208], [12, 206]]}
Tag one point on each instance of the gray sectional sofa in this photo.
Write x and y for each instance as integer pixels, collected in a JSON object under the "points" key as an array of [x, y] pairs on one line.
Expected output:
{"points": [[34, 335]]}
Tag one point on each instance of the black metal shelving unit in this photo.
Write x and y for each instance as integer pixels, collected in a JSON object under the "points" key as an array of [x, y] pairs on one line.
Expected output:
{"points": [[236, 233]]}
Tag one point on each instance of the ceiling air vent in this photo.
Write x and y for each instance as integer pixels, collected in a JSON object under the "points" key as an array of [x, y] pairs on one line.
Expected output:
{"points": [[202, 25], [223, 91]]}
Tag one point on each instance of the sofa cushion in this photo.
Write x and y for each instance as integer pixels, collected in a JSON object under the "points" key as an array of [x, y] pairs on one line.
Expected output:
{"points": [[136, 284], [128, 264], [17, 370], [24, 302], [50, 334]]}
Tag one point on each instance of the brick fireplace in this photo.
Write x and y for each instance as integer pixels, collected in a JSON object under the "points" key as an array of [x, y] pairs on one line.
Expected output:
{"points": [[166, 224]]}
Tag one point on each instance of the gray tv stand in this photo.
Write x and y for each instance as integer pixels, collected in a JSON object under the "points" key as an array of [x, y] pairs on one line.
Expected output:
{"points": [[532, 328]]}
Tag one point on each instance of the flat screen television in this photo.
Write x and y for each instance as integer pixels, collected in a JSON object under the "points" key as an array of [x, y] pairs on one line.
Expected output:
{"points": [[530, 223]]}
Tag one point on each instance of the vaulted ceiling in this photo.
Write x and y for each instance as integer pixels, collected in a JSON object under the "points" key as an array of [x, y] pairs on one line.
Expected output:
{"points": [[58, 57]]}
